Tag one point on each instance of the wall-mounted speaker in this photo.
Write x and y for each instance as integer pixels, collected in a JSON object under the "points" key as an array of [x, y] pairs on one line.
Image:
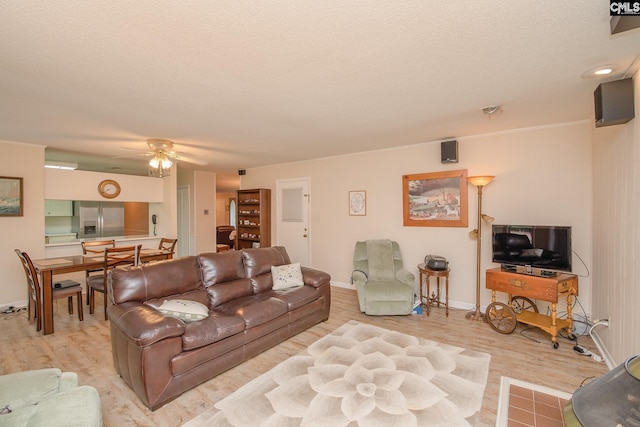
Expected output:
{"points": [[449, 151], [614, 102], [242, 172]]}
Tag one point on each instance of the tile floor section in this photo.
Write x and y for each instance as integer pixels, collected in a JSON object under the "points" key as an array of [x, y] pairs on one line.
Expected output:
{"points": [[531, 408]]}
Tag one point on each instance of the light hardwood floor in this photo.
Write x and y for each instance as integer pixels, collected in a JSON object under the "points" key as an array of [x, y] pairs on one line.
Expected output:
{"points": [[85, 348]]}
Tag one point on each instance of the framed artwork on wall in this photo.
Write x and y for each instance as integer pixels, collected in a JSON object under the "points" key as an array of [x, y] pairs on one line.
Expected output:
{"points": [[11, 196], [436, 199], [357, 203]]}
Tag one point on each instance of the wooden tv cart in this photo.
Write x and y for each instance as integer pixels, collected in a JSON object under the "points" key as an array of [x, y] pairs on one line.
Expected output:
{"points": [[521, 288]]}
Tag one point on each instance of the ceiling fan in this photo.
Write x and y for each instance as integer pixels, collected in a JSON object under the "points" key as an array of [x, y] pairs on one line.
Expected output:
{"points": [[162, 154]]}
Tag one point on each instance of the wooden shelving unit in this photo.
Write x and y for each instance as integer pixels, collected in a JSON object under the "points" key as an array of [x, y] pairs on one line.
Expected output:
{"points": [[254, 218]]}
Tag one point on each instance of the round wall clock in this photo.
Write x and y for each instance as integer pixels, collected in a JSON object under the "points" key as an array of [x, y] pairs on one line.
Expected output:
{"points": [[109, 189]]}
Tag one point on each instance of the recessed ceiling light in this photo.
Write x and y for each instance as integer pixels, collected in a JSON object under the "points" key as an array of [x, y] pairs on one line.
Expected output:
{"points": [[601, 71]]}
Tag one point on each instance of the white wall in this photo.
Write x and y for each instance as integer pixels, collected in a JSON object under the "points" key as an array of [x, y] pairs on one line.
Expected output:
{"points": [[83, 185], [616, 231], [202, 186], [543, 176], [204, 213], [26, 232]]}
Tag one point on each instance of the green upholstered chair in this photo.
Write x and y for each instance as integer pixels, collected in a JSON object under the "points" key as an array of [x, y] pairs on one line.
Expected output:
{"points": [[384, 287], [48, 397]]}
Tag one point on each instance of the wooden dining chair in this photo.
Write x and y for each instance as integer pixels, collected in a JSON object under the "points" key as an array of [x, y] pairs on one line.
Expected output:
{"points": [[35, 302], [95, 248], [167, 244], [117, 257]]}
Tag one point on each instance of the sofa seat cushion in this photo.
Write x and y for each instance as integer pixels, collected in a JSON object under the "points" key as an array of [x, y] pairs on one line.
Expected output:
{"points": [[388, 290], [213, 328], [297, 297], [255, 309]]}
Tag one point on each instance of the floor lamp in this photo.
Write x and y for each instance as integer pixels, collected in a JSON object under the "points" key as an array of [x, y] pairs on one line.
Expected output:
{"points": [[478, 182]]}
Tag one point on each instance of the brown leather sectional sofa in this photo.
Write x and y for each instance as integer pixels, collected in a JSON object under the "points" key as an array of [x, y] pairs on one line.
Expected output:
{"points": [[160, 356]]}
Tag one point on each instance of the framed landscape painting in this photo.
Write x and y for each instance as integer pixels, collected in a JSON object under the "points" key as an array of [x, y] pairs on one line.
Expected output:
{"points": [[10, 196], [437, 199]]}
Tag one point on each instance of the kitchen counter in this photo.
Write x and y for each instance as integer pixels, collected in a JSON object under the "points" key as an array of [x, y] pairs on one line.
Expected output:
{"points": [[60, 237], [116, 238]]}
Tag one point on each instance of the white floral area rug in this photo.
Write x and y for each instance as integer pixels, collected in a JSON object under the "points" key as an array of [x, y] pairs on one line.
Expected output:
{"points": [[361, 375]]}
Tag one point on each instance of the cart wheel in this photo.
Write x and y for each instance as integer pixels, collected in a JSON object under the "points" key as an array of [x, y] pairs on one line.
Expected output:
{"points": [[520, 304], [501, 317]]}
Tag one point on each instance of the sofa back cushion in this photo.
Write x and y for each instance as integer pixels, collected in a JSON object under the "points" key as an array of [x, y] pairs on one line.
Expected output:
{"points": [[155, 281], [258, 263], [221, 267], [224, 277]]}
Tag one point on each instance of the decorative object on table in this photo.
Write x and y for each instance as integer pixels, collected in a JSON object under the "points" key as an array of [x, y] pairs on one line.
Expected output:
{"points": [[362, 374], [11, 197], [479, 182], [383, 285], [357, 203], [436, 262], [437, 199]]}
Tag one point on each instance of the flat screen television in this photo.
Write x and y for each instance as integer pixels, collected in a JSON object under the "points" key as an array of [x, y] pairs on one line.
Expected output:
{"points": [[535, 246]]}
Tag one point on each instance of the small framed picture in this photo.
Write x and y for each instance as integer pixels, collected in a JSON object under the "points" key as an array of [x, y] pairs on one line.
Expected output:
{"points": [[11, 196], [357, 203]]}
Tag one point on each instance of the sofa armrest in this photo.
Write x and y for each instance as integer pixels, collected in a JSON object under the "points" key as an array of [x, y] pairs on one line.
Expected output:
{"points": [[315, 278], [405, 276], [143, 324]]}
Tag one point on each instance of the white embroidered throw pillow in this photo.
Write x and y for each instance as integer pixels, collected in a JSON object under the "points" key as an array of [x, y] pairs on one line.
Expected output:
{"points": [[286, 276], [185, 310]]}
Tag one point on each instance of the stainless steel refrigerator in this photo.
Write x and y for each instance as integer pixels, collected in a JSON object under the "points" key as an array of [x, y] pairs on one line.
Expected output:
{"points": [[98, 219]]}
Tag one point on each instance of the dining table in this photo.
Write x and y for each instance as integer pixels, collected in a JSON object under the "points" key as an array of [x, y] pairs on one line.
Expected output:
{"points": [[48, 267]]}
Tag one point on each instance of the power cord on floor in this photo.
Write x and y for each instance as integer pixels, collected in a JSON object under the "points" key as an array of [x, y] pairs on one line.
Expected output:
{"points": [[12, 309]]}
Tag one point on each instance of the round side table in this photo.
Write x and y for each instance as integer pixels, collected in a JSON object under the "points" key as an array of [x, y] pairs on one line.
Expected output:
{"points": [[428, 298]]}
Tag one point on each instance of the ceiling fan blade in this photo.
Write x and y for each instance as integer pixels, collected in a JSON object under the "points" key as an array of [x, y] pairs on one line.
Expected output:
{"points": [[195, 161]]}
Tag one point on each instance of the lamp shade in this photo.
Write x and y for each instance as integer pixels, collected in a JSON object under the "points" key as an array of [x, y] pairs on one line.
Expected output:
{"points": [[480, 181]]}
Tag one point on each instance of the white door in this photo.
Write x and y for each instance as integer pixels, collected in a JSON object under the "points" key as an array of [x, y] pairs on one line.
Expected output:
{"points": [[293, 209]]}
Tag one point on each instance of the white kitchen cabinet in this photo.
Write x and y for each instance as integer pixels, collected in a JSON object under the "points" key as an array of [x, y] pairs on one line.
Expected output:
{"points": [[58, 208]]}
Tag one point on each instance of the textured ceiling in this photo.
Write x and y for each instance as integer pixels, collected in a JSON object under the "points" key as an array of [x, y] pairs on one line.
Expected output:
{"points": [[245, 84]]}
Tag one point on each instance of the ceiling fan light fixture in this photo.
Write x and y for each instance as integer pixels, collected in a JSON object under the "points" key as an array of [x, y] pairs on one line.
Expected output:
{"points": [[166, 163], [154, 162]]}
